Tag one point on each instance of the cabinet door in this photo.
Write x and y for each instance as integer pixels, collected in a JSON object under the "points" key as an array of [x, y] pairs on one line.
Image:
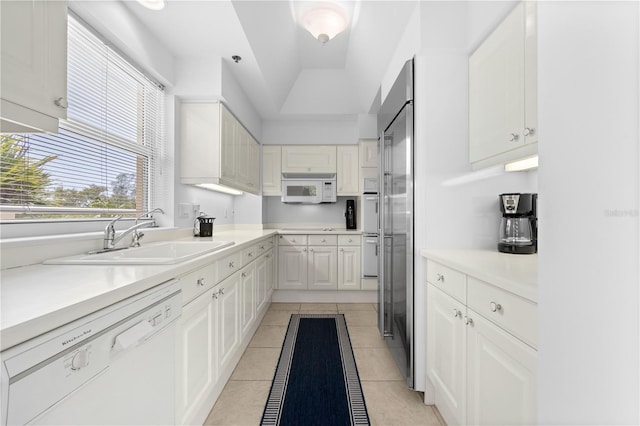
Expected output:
{"points": [[254, 166], [271, 170], [323, 271], [531, 73], [501, 376], [248, 293], [228, 305], [348, 170], [33, 75], [496, 90], [292, 267], [196, 370], [349, 268], [271, 272], [446, 354], [243, 149], [369, 153], [229, 141], [261, 282], [309, 159]]}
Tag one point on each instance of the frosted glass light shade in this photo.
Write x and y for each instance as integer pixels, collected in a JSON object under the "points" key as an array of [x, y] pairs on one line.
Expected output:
{"points": [[152, 4], [324, 20]]}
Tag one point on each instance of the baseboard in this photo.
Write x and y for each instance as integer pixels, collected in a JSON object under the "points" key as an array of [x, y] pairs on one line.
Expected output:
{"points": [[321, 296]]}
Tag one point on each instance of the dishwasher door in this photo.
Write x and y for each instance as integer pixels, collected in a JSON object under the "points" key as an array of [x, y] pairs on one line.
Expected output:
{"points": [[113, 367]]}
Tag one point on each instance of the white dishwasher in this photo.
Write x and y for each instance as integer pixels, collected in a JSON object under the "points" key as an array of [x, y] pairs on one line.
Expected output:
{"points": [[113, 367]]}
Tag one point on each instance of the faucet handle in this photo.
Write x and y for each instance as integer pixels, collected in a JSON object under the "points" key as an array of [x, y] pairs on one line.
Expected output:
{"points": [[135, 238]]}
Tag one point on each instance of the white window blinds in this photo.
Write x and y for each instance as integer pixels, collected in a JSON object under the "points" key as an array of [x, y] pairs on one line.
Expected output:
{"points": [[105, 158]]}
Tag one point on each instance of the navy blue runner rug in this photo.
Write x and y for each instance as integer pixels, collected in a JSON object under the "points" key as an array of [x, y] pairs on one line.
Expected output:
{"points": [[316, 381]]}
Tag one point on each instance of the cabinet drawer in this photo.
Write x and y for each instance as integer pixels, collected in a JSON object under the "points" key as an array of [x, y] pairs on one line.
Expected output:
{"points": [[264, 246], [293, 240], [349, 240], [452, 282], [322, 240], [197, 282], [249, 254], [228, 265], [513, 313]]}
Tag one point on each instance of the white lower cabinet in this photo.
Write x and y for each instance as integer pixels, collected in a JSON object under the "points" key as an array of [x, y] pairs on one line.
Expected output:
{"points": [[482, 372], [328, 262], [323, 268], [248, 306], [196, 357], [217, 324], [446, 354], [501, 376]]}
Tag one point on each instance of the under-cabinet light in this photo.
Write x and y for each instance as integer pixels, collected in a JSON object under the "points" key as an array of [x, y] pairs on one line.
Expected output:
{"points": [[152, 4], [219, 188], [522, 165]]}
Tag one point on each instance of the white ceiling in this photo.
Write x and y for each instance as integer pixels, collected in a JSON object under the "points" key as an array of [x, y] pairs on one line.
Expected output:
{"points": [[285, 71]]}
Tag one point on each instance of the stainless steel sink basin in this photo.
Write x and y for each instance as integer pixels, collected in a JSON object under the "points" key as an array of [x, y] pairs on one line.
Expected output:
{"points": [[165, 253]]}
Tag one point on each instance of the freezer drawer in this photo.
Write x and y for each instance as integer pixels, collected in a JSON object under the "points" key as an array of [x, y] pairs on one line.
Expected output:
{"points": [[369, 256]]}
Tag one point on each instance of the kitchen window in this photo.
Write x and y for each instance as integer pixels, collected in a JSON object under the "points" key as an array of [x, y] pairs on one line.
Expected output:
{"points": [[104, 160]]}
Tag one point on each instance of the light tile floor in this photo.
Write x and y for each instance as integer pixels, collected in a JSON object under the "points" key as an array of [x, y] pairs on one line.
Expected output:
{"points": [[388, 400]]}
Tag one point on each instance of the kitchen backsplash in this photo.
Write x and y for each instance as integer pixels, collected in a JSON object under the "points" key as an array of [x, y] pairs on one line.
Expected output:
{"points": [[328, 214]]}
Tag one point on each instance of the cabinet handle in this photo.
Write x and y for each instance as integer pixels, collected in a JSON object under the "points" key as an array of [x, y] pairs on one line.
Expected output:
{"points": [[201, 282], [250, 254], [221, 291], [513, 137], [304, 250], [214, 295], [231, 265], [324, 241], [350, 240], [310, 249], [495, 307], [468, 321], [341, 249], [261, 247], [61, 102], [244, 275], [529, 131], [457, 313], [440, 277]]}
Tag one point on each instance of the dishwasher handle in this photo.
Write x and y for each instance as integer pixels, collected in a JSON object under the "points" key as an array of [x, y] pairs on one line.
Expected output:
{"points": [[132, 336]]}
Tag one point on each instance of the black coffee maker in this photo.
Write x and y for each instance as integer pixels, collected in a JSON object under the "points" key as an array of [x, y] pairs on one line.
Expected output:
{"points": [[519, 224], [350, 214]]}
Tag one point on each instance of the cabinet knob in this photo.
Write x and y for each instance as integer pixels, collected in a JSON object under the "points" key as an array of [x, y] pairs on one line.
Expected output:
{"points": [[457, 313], [221, 291], [513, 137], [201, 282], [350, 240], [261, 247], [304, 250], [468, 321], [214, 295], [250, 254], [61, 102], [341, 249], [495, 307], [311, 249], [324, 241], [244, 275], [440, 277], [231, 265], [529, 131]]}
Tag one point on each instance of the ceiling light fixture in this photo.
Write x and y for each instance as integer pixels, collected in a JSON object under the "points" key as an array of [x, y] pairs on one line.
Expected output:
{"points": [[152, 4], [324, 20]]}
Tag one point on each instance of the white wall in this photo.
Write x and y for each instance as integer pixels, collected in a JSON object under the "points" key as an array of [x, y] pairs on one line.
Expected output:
{"points": [[325, 131], [588, 271]]}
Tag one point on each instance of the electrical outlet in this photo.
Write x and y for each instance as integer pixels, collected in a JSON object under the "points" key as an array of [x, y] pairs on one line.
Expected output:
{"points": [[184, 210]]}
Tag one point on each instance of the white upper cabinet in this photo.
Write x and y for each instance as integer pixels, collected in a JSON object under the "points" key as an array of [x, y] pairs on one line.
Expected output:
{"points": [[309, 159], [502, 91], [348, 170], [216, 148], [271, 170], [33, 74]]}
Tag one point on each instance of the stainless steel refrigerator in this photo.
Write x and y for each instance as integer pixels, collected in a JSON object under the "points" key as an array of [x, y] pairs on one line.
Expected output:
{"points": [[396, 192]]}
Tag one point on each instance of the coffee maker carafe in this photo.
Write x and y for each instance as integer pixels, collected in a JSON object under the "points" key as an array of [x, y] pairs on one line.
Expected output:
{"points": [[519, 224]]}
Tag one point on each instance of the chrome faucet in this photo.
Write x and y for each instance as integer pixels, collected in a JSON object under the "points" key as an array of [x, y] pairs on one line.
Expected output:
{"points": [[110, 239]]}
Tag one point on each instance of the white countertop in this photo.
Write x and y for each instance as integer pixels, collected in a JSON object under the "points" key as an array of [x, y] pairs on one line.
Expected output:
{"points": [[39, 298], [318, 231], [517, 274]]}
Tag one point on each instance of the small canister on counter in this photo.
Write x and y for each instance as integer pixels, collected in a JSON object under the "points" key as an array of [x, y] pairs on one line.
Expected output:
{"points": [[203, 226]]}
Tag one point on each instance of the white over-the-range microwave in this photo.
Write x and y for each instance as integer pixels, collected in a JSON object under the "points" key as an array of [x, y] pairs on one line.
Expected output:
{"points": [[307, 188]]}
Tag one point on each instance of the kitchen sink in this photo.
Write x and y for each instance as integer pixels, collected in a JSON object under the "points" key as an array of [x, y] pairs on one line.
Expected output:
{"points": [[165, 253]]}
